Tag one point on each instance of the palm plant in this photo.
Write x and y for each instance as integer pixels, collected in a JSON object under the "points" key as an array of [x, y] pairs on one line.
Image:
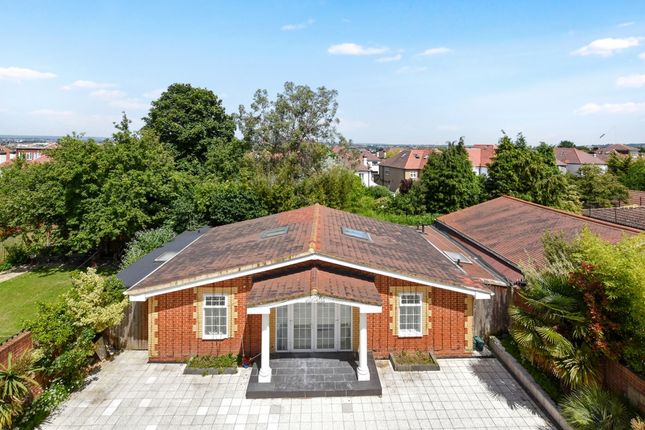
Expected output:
{"points": [[549, 325], [16, 380], [592, 408]]}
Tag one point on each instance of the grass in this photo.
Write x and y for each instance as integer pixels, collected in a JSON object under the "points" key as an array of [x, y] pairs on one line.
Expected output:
{"points": [[413, 357], [20, 295], [548, 383], [213, 361]]}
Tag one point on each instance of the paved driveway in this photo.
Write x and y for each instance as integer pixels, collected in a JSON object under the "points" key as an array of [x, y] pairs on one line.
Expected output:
{"points": [[128, 393]]}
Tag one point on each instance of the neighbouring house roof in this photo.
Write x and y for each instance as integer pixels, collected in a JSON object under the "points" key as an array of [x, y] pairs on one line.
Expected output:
{"points": [[576, 156], [481, 155], [624, 215], [510, 230], [615, 148], [150, 262], [314, 233], [278, 286], [637, 197], [370, 156], [409, 159]]}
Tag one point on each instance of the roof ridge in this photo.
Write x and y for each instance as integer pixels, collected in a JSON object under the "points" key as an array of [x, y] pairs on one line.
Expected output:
{"points": [[572, 214], [313, 239]]}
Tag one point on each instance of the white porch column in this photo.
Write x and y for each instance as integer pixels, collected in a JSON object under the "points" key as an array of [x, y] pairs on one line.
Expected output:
{"points": [[265, 369], [363, 372]]}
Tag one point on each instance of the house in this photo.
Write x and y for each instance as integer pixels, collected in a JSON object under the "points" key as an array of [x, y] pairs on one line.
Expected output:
{"points": [[309, 280], [407, 164], [507, 232], [6, 155], [480, 157], [367, 168], [574, 158], [32, 153], [604, 152]]}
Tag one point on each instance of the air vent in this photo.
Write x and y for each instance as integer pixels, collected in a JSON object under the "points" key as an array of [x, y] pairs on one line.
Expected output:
{"points": [[274, 232], [358, 234], [458, 258], [165, 256]]}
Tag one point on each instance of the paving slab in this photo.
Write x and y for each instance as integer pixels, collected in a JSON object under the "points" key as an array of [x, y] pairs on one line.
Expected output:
{"points": [[129, 393]]}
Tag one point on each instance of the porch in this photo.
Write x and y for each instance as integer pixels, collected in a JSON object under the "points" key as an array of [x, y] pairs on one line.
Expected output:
{"points": [[314, 374]]}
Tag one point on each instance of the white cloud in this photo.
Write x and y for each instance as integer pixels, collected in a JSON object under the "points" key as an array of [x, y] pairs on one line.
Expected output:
{"points": [[87, 85], [52, 113], [108, 94], [396, 57], [299, 26], [407, 70], [130, 104], [626, 24], [608, 46], [617, 108], [154, 94], [435, 51], [631, 81], [22, 74], [354, 49]]}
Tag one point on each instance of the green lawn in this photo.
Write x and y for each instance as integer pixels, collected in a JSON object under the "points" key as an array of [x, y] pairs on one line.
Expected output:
{"points": [[18, 296]]}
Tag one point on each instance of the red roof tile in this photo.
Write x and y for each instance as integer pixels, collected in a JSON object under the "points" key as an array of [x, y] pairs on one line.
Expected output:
{"points": [[624, 215], [513, 229], [576, 156], [409, 159], [637, 197]]}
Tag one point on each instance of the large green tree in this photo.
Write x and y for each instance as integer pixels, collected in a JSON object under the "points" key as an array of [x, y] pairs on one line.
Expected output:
{"points": [[292, 129], [598, 188], [530, 174], [630, 171], [191, 120], [448, 181]]}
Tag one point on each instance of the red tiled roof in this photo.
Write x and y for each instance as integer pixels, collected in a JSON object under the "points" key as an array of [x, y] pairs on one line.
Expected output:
{"points": [[306, 281], [576, 156], [624, 215], [637, 197], [513, 229], [481, 155], [409, 159], [314, 231]]}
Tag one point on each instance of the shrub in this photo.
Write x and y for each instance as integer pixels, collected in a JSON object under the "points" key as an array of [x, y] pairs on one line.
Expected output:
{"points": [[16, 381], [145, 241], [17, 254], [213, 361], [45, 404], [592, 408]]}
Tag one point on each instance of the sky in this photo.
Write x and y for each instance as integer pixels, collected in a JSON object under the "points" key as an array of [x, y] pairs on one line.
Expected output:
{"points": [[409, 73]]}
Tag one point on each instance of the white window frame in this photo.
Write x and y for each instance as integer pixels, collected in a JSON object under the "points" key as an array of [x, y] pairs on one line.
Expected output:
{"points": [[408, 332], [225, 307], [413, 174]]}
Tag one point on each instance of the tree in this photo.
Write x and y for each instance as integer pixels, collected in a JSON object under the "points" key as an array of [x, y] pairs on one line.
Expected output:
{"points": [[190, 120], [336, 187], [566, 144], [448, 181], [231, 202], [599, 189], [145, 241], [530, 174], [292, 129], [630, 172]]}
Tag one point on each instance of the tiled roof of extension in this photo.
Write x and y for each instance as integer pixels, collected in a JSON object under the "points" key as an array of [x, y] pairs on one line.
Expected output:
{"points": [[312, 231], [408, 159], [624, 215], [513, 229]]}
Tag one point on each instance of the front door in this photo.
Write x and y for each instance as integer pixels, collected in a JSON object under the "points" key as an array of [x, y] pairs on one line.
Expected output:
{"points": [[313, 327]]}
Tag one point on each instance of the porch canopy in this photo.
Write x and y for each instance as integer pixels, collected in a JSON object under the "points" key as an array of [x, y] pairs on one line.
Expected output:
{"points": [[313, 284]]}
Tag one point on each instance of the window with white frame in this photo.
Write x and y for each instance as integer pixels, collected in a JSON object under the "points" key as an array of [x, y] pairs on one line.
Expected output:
{"points": [[410, 314], [215, 316], [413, 174]]}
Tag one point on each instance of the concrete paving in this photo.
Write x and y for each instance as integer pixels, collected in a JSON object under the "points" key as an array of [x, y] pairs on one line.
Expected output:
{"points": [[129, 393]]}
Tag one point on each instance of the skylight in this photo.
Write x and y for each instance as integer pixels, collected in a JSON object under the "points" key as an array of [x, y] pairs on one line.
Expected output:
{"points": [[458, 258], [274, 232], [358, 234], [165, 256]]}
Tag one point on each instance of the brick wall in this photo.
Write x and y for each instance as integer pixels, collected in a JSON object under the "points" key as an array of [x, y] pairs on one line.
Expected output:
{"points": [[174, 337], [623, 381], [17, 345]]}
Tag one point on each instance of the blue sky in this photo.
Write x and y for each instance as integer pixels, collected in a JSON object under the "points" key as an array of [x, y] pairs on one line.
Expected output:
{"points": [[406, 72]]}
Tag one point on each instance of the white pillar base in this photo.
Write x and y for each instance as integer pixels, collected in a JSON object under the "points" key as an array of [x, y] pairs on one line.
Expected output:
{"points": [[265, 377], [363, 374]]}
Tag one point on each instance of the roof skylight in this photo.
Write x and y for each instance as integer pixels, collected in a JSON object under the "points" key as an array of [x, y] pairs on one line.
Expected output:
{"points": [[358, 234], [458, 258], [274, 232], [165, 257]]}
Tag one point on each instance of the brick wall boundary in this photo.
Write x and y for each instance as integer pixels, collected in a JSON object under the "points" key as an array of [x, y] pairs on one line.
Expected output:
{"points": [[16, 346], [623, 381]]}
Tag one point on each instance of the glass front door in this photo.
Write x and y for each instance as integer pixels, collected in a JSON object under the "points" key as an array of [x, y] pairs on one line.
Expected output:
{"points": [[313, 327]]}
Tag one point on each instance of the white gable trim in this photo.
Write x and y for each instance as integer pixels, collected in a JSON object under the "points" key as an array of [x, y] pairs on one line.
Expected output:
{"points": [[142, 297], [362, 307]]}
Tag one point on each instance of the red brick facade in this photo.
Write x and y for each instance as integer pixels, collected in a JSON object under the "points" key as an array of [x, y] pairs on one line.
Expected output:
{"points": [[16, 346], [174, 335]]}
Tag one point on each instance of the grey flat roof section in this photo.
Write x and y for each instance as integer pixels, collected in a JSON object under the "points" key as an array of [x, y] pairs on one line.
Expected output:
{"points": [[147, 264]]}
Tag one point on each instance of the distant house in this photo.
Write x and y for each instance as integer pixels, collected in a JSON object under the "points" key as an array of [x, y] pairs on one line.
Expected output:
{"points": [[480, 157], [573, 159], [604, 152], [32, 153], [407, 164], [368, 168]]}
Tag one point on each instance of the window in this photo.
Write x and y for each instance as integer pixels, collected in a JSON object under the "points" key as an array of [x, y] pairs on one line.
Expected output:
{"points": [[215, 316], [410, 314], [165, 256], [274, 232], [413, 175], [387, 171], [356, 233], [458, 258]]}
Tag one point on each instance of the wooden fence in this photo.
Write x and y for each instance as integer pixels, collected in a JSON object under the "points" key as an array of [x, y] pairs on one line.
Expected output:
{"points": [[491, 315], [132, 333]]}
